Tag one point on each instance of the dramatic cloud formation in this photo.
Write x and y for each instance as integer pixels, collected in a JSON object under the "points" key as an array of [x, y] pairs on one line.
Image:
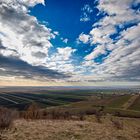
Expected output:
{"points": [[61, 60], [23, 38], [102, 46], [13, 67], [117, 36]]}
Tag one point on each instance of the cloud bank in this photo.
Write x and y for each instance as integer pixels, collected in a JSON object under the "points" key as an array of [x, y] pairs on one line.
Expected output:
{"points": [[24, 43], [116, 38]]}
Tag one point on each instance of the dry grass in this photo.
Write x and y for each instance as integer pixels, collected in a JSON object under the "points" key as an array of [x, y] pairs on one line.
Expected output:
{"points": [[73, 130], [118, 124]]}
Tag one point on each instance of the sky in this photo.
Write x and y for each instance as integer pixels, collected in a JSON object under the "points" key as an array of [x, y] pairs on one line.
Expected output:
{"points": [[69, 42]]}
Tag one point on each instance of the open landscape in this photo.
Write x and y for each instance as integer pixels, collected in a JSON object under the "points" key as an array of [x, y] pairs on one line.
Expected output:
{"points": [[69, 69], [124, 101], [77, 114]]}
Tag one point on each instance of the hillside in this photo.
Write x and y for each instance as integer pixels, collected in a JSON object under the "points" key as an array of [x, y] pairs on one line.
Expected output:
{"points": [[89, 129]]}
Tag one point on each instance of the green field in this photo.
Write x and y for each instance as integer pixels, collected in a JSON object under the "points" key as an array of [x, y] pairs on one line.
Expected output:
{"points": [[21, 100], [119, 101], [135, 105], [74, 101], [112, 104]]}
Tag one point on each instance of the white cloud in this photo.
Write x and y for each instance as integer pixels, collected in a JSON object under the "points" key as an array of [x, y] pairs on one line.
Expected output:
{"points": [[65, 40], [84, 38], [101, 34], [87, 8], [65, 52], [21, 5], [7, 52], [61, 60], [122, 64], [119, 13], [56, 33], [96, 52], [85, 18], [86, 11], [32, 2], [24, 40], [22, 33]]}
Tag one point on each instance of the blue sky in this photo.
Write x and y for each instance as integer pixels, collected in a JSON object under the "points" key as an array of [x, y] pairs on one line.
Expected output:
{"points": [[64, 16], [70, 42]]}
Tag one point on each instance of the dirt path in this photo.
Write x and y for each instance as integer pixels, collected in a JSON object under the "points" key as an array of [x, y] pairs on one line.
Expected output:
{"points": [[130, 101]]}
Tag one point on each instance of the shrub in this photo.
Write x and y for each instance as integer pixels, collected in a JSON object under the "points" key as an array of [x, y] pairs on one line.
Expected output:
{"points": [[7, 117], [33, 112]]}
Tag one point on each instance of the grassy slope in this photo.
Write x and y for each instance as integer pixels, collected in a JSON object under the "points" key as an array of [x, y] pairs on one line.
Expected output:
{"points": [[136, 105], [73, 130], [112, 105], [119, 101]]}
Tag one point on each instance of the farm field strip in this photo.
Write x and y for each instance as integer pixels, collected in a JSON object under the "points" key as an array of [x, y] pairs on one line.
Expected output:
{"points": [[79, 94], [8, 99], [61, 102], [56, 97], [20, 98], [62, 97], [68, 93], [32, 98], [4, 102], [13, 98]]}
